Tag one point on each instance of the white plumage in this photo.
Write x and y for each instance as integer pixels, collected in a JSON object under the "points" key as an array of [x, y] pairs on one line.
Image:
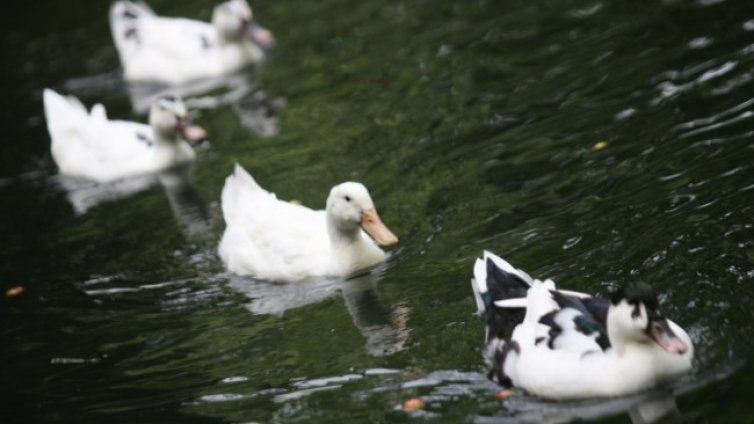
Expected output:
{"points": [[277, 240], [178, 50], [568, 345], [89, 145]]}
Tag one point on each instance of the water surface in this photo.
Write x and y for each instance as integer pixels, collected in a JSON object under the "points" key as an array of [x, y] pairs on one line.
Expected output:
{"points": [[590, 142]]}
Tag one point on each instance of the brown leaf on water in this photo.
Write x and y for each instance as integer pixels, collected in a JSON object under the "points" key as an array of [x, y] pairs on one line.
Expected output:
{"points": [[503, 394], [15, 291], [599, 146], [413, 404]]}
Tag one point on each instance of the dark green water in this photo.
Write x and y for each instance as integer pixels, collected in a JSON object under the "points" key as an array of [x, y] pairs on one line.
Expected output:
{"points": [[473, 125]]}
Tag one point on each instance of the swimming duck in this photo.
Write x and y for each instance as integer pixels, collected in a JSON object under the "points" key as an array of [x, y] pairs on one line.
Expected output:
{"points": [[561, 345], [176, 50], [90, 145], [280, 241]]}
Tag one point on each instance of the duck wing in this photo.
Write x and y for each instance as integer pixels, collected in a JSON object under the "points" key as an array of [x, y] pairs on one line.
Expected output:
{"points": [[519, 310], [269, 238], [573, 326], [90, 145], [141, 35], [495, 280], [597, 307]]}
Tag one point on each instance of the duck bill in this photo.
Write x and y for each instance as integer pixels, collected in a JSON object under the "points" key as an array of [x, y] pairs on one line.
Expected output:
{"points": [[664, 336], [189, 131], [260, 36], [372, 224]]}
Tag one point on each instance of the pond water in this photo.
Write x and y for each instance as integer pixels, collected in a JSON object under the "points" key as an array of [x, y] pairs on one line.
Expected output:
{"points": [[592, 142]]}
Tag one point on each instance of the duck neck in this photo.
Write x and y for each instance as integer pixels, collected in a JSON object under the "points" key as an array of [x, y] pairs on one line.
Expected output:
{"points": [[350, 250], [170, 147], [166, 136], [622, 339]]}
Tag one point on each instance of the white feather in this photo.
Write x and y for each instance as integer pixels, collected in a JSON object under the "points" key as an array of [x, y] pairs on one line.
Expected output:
{"points": [[480, 276], [519, 302]]}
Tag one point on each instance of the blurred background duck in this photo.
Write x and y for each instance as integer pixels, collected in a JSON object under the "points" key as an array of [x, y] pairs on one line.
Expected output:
{"points": [[89, 145], [177, 50], [276, 240], [561, 345]]}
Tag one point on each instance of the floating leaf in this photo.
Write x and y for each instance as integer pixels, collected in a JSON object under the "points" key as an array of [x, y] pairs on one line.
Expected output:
{"points": [[413, 404], [503, 394], [599, 146], [15, 291]]}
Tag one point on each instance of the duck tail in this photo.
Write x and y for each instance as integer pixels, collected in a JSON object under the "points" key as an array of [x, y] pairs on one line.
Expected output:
{"points": [[237, 187], [62, 113], [496, 282], [499, 354]]}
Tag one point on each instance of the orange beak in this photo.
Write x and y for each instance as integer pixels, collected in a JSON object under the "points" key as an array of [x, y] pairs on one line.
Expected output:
{"points": [[372, 224], [189, 131], [666, 338]]}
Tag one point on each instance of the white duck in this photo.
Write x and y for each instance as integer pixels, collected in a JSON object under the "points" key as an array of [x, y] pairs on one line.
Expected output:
{"points": [[276, 240], [563, 345], [176, 50], [90, 145]]}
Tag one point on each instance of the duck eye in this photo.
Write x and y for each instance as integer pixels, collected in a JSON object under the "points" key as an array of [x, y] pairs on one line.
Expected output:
{"points": [[348, 198]]}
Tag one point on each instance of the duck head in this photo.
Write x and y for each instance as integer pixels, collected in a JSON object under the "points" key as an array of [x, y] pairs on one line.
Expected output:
{"points": [[349, 207], [234, 21], [635, 317], [169, 120]]}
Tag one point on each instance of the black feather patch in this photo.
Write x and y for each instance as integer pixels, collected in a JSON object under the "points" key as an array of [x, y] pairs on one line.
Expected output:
{"points": [[585, 323], [587, 353], [144, 139], [206, 44], [500, 322], [548, 319], [637, 293], [132, 33], [500, 286], [129, 14], [566, 301], [597, 307], [498, 363], [589, 327]]}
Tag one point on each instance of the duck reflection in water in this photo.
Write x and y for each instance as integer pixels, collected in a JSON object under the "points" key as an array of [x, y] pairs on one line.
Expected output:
{"points": [[661, 408], [257, 110], [383, 328], [191, 212], [655, 406]]}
